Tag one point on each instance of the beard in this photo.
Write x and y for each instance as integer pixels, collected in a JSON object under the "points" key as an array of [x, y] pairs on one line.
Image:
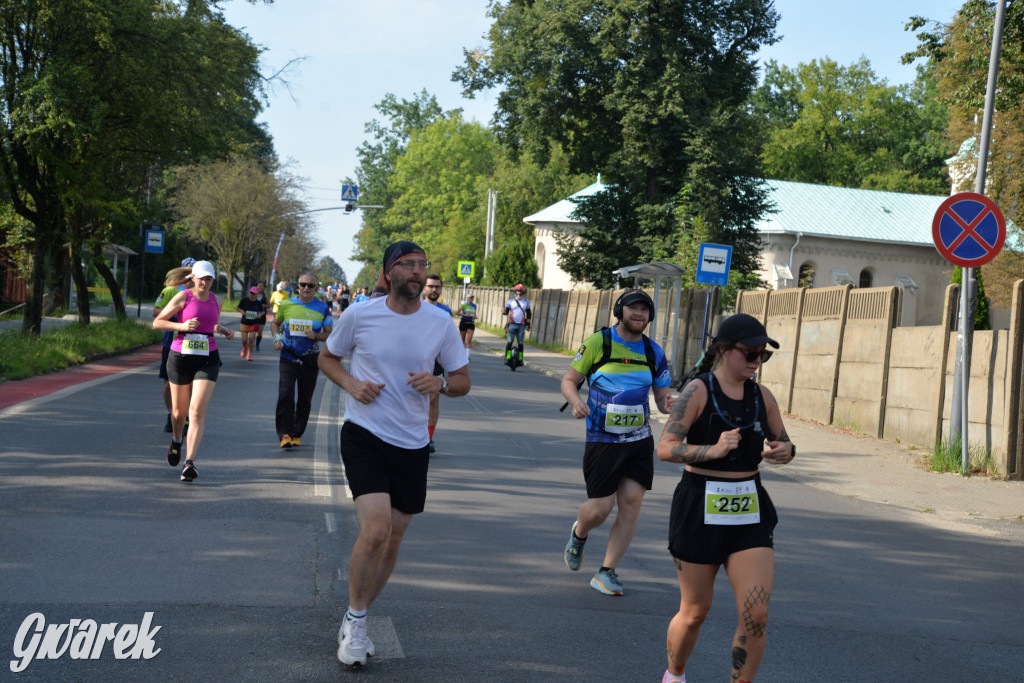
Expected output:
{"points": [[434, 296], [408, 289], [633, 326]]}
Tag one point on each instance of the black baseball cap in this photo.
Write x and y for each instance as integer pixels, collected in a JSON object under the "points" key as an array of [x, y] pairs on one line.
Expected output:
{"points": [[744, 329]]}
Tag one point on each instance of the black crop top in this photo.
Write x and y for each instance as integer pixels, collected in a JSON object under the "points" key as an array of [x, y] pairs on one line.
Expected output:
{"points": [[713, 421]]}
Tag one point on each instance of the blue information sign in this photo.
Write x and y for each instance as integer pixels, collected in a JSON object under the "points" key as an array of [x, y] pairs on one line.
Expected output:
{"points": [[349, 193], [154, 241], [713, 263]]}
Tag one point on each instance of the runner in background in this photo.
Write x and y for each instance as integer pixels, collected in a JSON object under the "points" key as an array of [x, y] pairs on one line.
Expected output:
{"points": [[432, 295], [282, 293], [194, 362], [301, 323], [252, 310], [165, 297], [467, 323], [261, 296]]}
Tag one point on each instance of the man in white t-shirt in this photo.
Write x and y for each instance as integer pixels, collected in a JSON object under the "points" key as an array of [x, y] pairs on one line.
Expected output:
{"points": [[392, 343]]}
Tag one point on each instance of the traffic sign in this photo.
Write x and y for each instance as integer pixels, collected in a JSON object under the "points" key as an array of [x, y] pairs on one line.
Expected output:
{"points": [[713, 263], [154, 241], [349, 193], [466, 268], [968, 229]]}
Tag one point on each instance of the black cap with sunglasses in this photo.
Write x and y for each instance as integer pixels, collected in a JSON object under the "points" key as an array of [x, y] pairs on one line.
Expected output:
{"points": [[743, 329]]}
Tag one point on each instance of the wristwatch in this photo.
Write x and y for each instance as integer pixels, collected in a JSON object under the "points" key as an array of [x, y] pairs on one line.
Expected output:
{"points": [[444, 384]]}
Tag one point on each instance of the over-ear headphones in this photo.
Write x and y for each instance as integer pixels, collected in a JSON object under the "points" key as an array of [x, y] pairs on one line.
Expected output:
{"points": [[632, 296]]}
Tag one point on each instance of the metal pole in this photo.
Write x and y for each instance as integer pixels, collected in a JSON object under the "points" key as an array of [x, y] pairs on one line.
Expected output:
{"points": [[962, 373], [142, 267]]}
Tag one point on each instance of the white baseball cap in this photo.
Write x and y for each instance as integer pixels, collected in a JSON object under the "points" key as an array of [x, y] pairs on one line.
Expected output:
{"points": [[203, 269]]}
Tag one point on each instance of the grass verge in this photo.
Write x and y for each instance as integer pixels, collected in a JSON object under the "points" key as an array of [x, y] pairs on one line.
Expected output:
{"points": [[950, 459], [23, 355]]}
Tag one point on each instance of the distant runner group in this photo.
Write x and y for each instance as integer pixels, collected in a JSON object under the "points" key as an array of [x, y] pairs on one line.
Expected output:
{"points": [[404, 352]]}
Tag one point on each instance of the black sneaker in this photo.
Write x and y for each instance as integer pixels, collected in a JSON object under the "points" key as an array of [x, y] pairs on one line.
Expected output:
{"points": [[167, 427], [174, 454], [190, 472]]}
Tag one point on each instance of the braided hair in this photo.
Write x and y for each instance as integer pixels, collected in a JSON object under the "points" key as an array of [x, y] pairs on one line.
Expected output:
{"points": [[707, 361]]}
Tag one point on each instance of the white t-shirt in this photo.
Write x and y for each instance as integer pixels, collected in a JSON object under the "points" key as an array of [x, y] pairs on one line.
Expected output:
{"points": [[384, 347], [517, 310]]}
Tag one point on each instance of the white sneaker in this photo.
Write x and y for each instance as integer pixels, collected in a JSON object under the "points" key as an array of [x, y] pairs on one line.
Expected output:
{"points": [[353, 644]]}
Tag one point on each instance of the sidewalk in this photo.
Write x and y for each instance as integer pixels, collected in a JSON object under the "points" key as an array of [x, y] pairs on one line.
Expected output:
{"points": [[862, 467]]}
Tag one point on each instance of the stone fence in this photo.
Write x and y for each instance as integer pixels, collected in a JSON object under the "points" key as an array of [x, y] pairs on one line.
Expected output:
{"points": [[843, 358]]}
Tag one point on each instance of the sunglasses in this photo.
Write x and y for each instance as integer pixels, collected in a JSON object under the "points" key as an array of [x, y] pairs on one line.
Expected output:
{"points": [[753, 354], [307, 284]]}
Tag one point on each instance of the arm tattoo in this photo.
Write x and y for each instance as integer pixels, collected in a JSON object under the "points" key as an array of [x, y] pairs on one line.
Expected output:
{"points": [[679, 431], [698, 456]]}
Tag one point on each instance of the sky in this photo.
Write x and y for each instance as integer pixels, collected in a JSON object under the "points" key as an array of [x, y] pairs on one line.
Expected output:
{"points": [[352, 54]]}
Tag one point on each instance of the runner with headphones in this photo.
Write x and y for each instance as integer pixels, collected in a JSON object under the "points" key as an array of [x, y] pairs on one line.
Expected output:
{"points": [[623, 365]]}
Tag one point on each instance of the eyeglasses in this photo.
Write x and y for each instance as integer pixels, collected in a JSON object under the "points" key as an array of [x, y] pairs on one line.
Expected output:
{"points": [[408, 264], [754, 354], [309, 285], [431, 286]]}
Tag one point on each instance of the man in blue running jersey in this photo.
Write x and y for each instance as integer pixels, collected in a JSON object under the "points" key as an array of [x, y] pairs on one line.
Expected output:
{"points": [[623, 365]]}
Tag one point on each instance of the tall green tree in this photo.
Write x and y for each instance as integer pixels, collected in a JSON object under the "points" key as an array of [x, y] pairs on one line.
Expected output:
{"points": [[650, 93], [958, 50], [440, 186], [377, 159], [238, 208], [842, 125], [98, 92]]}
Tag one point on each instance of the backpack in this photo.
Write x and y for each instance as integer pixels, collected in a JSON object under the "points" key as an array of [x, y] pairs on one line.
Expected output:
{"points": [[606, 353]]}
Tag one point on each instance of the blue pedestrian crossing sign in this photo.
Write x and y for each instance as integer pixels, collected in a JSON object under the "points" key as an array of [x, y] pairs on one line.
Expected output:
{"points": [[466, 268], [713, 263], [349, 193]]}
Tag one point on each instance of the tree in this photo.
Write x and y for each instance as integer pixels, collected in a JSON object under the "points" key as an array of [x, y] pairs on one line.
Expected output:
{"points": [[328, 270], [981, 317], [512, 263], [837, 125], [439, 183], [959, 53], [377, 161], [238, 208], [650, 93], [99, 92]]}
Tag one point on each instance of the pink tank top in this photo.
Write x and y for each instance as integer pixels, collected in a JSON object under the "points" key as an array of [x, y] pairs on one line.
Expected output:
{"points": [[208, 313]]}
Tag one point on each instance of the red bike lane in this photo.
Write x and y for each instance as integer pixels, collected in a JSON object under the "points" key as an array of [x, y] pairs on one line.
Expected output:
{"points": [[13, 392]]}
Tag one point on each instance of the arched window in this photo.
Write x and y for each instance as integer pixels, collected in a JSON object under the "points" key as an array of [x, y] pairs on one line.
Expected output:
{"points": [[539, 258], [806, 278], [866, 278]]}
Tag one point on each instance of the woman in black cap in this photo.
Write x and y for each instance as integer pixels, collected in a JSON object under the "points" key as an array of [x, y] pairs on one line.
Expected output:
{"points": [[721, 426]]}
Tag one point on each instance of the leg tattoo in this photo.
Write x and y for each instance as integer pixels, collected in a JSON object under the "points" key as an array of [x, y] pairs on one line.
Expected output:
{"points": [[756, 596]]}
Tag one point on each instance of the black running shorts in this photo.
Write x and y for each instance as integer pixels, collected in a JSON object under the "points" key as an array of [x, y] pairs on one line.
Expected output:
{"points": [[691, 540], [164, 354], [605, 464], [374, 466], [466, 325], [184, 369]]}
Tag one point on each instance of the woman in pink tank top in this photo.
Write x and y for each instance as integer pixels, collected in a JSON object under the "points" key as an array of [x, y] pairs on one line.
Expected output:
{"points": [[194, 361]]}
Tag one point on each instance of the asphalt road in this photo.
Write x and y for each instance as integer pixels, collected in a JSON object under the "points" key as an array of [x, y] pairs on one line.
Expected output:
{"points": [[244, 570]]}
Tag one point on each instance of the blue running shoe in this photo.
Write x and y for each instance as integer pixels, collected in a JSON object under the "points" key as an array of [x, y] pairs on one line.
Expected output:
{"points": [[607, 582], [574, 550]]}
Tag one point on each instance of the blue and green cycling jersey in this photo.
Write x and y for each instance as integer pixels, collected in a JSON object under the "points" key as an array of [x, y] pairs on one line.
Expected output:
{"points": [[296, 317], [619, 409]]}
